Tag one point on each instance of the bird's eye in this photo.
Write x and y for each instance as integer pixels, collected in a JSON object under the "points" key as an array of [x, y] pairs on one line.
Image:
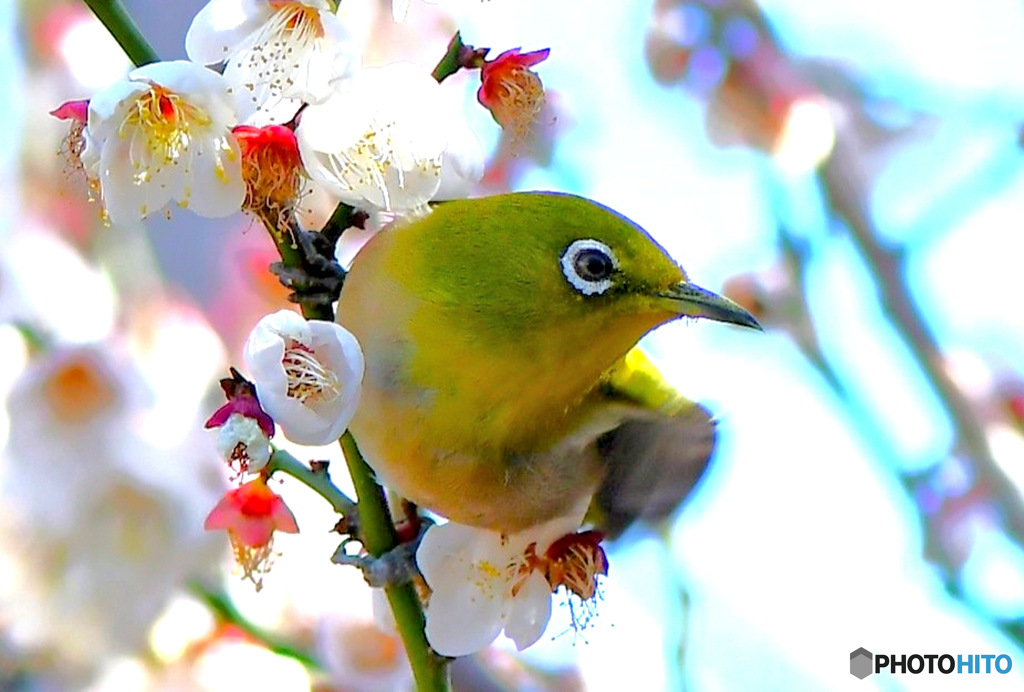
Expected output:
{"points": [[589, 265]]}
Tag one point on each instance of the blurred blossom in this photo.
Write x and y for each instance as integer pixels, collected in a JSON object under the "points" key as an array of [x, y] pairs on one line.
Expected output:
{"points": [[807, 135], [178, 354], [766, 294], [46, 283], [69, 403], [359, 657], [183, 626], [1007, 444], [91, 53], [93, 508], [993, 575], [755, 98], [229, 665]]}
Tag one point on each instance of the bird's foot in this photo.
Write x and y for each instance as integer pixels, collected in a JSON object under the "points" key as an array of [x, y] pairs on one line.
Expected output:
{"points": [[395, 567]]}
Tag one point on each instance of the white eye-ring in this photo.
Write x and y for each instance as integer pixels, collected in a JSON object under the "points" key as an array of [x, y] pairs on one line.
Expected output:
{"points": [[588, 265]]}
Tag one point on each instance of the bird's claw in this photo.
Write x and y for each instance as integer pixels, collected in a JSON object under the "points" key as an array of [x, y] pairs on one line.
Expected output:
{"points": [[395, 567]]}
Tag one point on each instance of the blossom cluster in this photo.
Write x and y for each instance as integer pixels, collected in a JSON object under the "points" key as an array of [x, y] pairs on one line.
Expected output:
{"points": [[272, 104], [307, 376], [289, 110]]}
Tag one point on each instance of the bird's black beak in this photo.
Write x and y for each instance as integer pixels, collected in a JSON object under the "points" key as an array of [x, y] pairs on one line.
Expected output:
{"points": [[691, 300]]}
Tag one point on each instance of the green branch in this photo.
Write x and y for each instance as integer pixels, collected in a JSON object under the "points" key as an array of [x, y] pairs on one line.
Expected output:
{"points": [[459, 56], [449, 63], [124, 30], [318, 480], [378, 535], [225, 611]]}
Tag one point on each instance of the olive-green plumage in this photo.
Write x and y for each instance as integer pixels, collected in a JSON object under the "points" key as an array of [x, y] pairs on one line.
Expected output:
{"points": [[501, 386]]}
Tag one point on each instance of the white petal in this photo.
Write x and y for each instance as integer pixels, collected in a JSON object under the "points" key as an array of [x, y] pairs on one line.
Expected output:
{"points": [[242, 429], [125, 200], [399, 10], [335, 60], [531, 611], [399, 168], [220, 26], [467, 570], [463, 163], [216, 188], [107, 108], [446, 552], [199, 85], [464, 618], [283, 323], [382, 615]]}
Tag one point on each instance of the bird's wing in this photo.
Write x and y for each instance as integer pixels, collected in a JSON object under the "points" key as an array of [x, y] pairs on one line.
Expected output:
{"points": [[656, 455]]}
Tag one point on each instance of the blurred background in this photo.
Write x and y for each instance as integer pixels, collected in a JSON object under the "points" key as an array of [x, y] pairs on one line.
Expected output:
{"points": [[850, 171]]}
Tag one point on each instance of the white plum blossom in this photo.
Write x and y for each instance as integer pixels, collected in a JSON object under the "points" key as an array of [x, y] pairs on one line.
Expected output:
{"points": [[359, 656], [308, 375], [484, 583], [283, 52], [241, 440], [386, 143], [93, 506], [164, 134]]}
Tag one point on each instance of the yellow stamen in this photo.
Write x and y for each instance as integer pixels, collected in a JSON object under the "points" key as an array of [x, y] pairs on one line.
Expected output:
{"points": [[161, 126]]}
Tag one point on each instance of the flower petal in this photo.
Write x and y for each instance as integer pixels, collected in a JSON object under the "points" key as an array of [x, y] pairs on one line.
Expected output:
{"points": [[125, 200], [282, 517], [531, 611], [253, 531], [220, 26], [462, 618], [216, 187], [469, 571]]}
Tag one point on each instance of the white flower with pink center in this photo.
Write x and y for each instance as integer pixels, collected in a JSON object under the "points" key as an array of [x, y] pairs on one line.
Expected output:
{"points": [[164, 134], [308, 375], [484, 583]]}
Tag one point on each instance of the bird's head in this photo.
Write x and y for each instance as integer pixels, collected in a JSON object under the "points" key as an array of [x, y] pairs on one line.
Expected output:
{"points": [[519, 263]]}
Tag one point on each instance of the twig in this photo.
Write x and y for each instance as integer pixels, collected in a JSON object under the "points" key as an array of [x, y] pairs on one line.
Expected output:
{"points": [[124, 30], [318, 480], [225, 610]]}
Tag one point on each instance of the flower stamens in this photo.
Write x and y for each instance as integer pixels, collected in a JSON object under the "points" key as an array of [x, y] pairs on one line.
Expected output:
{"points": [[281, 46], [308, 380], [253, 561], [575, 561], [162, 127]]}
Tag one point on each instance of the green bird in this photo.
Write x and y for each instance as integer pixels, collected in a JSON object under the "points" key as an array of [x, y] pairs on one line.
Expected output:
{"points": [[503, 385]]}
